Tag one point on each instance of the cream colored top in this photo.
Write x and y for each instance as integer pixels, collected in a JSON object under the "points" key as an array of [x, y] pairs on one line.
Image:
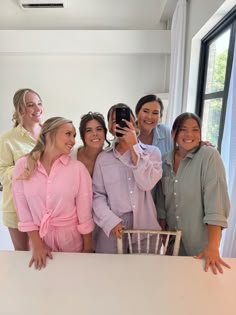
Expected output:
{"points": [[13, 144]]}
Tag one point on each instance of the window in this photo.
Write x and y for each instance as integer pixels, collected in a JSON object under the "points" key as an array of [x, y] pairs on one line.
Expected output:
{"points": [[214, 74]]}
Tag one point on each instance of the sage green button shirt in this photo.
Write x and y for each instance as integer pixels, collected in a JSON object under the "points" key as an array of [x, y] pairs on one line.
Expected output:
{"points": [[194, 197]]}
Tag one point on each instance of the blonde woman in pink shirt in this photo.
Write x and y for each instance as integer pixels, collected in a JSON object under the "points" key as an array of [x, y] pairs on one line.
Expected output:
{"points": [[53, 194]]}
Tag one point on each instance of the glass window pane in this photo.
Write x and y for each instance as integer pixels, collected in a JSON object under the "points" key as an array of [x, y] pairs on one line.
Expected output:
{"points": [[217, 61], [211, 120]]}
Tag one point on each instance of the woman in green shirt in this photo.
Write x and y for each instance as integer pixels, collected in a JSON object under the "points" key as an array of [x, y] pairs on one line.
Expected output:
{"points": [[192, 194]]}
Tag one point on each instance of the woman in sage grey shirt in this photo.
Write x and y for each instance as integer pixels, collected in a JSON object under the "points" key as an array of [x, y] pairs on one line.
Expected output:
{"points": [[192, 194]]}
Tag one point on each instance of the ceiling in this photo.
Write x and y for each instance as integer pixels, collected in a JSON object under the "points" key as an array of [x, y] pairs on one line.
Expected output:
{"points": [[90, 15]]}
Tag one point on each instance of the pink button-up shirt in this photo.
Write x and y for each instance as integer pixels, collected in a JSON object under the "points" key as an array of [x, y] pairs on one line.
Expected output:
{"points": [[58, 205]]}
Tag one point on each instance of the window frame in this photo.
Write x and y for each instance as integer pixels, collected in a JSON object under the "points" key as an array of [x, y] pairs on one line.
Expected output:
{"points": [[228, 22]]}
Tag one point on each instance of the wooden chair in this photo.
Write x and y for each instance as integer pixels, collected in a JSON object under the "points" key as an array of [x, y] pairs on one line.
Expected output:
{"points": [[162, 240]]}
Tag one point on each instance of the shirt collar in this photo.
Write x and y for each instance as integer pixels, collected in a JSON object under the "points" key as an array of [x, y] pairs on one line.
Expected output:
{"points": [[158, 133], [22, 130], [112, 147], [64, 159], [143, 145], [169, 157]]}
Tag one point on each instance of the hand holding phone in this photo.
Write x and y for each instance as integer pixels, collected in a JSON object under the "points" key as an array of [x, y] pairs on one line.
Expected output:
{"points": [[122, 113]]}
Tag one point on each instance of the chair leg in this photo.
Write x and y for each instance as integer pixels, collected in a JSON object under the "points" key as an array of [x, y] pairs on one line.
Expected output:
{"points": [[177, 243], [119, 246]]}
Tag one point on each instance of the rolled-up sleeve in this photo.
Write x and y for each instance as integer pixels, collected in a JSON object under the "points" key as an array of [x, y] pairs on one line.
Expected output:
{"points": [[25, 223], [148, 170], [103, 216], [84, 202], [215, 194], [159, 200], [27, 226], [6, 162]]}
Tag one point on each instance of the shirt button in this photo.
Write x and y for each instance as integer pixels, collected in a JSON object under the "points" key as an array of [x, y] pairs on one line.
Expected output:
{"points": [[133, 206], [131, 192], [176, 206], [129, 178], [175, 193], [176, 180]]}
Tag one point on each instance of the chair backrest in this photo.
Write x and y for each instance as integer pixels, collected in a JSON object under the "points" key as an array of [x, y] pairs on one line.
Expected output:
{"points": [[162, 241]]}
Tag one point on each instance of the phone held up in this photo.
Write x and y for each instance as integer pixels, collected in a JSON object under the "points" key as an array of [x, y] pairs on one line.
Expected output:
{"points": [[122, 113]]}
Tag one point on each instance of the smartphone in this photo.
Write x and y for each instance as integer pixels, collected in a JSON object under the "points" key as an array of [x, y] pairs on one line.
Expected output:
{"points": [[122, 113]]}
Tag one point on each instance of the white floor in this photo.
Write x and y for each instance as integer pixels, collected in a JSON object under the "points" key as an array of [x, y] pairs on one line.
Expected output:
{"points": [[5, 240]]}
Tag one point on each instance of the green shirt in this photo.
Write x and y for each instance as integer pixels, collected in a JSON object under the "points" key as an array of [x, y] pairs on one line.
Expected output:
{"points": [[13, 144], [194, 197]]}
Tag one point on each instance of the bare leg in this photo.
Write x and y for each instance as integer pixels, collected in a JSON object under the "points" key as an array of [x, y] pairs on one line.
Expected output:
{"points": [[19, 239]]}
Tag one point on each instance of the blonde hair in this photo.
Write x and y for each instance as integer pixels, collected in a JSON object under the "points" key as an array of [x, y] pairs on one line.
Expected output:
{"points": [[50, 126], [20, 105]]}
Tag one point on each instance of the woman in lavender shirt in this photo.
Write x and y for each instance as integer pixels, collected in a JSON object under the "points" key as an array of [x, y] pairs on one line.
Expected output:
{"points": [[123, 178]]}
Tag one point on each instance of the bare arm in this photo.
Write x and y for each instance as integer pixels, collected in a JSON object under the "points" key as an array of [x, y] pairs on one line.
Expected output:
{"points": [[88, 245]]}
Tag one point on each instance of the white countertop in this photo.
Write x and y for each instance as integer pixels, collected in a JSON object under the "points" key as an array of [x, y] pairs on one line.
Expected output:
{"points": [[89, 284]]}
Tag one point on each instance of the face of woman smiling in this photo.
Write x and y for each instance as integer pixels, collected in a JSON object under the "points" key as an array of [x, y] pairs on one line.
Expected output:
{"points": [[189, 135], [94, 134], [149, 116], [64, 139], [33, 109]]}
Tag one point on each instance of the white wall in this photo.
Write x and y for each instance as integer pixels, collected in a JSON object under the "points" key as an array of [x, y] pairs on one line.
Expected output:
{"points": [[73, 85], [71, 79]]}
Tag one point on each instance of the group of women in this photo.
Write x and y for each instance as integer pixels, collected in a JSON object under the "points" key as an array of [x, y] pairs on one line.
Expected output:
{"points": [[83, 204]]}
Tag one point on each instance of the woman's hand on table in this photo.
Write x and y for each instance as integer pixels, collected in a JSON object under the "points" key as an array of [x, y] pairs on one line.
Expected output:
{"points": [[212, 259], [39, 256]]}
